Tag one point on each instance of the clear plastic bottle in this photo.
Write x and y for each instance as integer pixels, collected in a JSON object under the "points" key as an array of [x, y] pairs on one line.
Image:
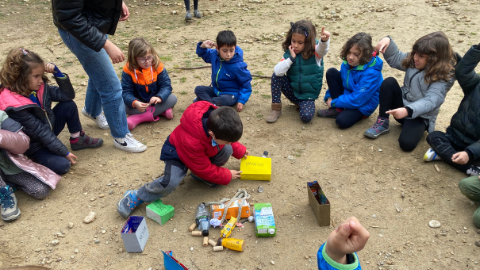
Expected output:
{"points": [[202, 219]]}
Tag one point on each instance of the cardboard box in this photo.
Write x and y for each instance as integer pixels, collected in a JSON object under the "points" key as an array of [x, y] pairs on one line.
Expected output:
{"points": [[264, 220], [160, 212], [135, 234], [319, 203], [256, 168], [217, 210]]}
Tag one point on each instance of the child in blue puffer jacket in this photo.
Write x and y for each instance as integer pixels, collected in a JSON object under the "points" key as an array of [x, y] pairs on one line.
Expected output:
{"points": [[339, 252], [230, 76], [353, 91]]}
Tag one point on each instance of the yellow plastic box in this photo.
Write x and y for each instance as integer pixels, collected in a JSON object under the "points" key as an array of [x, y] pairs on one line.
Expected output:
{"points": [[256, 168]]}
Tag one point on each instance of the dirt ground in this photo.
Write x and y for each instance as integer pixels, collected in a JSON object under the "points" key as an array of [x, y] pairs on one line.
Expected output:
{"points": [[361, 177]]}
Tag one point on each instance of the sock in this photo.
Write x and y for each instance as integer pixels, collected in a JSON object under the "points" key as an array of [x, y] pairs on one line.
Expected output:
{"points": [[74, 137], [120, 140]]}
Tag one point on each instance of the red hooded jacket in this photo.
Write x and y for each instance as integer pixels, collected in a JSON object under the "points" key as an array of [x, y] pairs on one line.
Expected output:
{"points": [[194, 146]]}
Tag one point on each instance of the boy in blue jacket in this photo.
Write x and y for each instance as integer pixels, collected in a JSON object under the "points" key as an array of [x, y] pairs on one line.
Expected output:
{"points": [[230, 76], [339, 252]]}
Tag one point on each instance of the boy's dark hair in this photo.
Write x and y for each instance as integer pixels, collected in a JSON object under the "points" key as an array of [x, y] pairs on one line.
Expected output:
{"points": [[363, 41], [226, 38], [225, 123]]}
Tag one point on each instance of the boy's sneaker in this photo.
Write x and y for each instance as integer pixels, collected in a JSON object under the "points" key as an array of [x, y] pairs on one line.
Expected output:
{"points": [[197, 14], [328, 113], [430, 155], [188, 16], [473, 171], [100, 120], [129, 144], [128, 203], [382, 126], [85, 141], [9, 208]]}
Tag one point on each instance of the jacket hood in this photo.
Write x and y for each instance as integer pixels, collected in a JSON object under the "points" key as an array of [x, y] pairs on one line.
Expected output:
{"points": [[237, 57], [191, 120]]}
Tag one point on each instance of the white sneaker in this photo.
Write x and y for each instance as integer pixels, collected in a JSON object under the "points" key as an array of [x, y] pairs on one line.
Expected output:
{"points": [[129, 144], [473, 171], [100, 120], [430, 155]]}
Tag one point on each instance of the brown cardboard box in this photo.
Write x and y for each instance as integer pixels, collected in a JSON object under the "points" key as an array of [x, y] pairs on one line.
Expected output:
{"points": [[321, 210]]}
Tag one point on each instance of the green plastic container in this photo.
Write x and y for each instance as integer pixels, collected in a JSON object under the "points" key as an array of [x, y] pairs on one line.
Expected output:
{"points": [[160, 212], [264, 221]]}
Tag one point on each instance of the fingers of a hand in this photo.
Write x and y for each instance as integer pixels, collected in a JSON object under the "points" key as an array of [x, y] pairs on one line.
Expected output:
{"points": [[323, 30], [358, 229]]}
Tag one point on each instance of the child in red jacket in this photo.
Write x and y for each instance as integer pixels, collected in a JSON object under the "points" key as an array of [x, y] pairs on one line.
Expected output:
{"points": [[203, 142]]}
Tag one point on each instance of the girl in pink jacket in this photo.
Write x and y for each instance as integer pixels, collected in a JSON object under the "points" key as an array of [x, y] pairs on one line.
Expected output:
{"points": [[16, 171]]}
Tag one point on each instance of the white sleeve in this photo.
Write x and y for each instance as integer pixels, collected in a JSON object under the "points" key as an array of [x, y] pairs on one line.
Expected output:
{"points": [[282, 67], [321, 50]]}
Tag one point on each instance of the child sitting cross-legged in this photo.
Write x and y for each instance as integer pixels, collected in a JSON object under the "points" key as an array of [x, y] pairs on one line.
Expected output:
{"points": [[203, 142]]}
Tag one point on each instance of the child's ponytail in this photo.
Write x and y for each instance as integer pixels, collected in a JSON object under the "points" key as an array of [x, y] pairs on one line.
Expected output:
{"points": [[16, 68]]}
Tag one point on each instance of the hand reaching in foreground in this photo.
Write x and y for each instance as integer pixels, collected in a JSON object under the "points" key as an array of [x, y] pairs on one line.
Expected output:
{"points": [[347, 238]]}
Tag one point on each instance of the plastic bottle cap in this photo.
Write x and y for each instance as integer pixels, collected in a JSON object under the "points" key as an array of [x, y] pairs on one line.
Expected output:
{"points": [[205, 232], [271, 231]]}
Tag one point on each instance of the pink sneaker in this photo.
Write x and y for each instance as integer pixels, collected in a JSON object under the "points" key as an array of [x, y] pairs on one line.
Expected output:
{"points": [[168, 114]]}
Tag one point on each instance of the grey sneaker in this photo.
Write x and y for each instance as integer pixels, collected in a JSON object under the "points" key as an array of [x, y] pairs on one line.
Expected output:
{"points": [[197, 13], [9, 208], [473, 171], [188, 16], [328, 113], [382, 126]]}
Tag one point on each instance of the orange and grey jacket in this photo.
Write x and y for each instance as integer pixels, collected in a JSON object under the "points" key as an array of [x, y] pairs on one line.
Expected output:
{"points": [[144, 84]]}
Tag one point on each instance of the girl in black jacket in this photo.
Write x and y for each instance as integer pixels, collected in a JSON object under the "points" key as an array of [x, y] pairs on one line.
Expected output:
{"points": [[27, 98]]}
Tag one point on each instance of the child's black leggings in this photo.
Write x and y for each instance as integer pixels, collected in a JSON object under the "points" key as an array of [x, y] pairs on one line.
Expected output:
{"points": [[187, 4], [348, 117], [412, 128]]}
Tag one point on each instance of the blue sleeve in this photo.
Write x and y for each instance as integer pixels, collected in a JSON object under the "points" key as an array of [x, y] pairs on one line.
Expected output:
{"points": [[164, 85], [206, 54], [244, 79], [361, 93], [128, 89], [327, 95], [324, 262]]}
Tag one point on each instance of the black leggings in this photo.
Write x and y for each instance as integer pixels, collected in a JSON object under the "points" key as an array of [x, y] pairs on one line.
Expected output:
{"points": [[412, 128], [348, 117], [187, 4]]}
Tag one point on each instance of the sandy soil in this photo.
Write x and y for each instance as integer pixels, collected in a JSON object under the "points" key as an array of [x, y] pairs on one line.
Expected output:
{"points": [[358, 178]]}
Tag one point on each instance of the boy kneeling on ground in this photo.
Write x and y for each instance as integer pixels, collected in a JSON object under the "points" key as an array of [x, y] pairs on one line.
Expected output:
{"points": [[203, 142]]}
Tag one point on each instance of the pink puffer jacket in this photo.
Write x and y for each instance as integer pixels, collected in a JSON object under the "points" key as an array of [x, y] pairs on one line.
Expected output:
{"points": [[15, 145]]}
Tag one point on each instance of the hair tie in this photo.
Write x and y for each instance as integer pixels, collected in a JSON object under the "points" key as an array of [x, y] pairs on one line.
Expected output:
{"points": [[293, 27], [23, 51]]}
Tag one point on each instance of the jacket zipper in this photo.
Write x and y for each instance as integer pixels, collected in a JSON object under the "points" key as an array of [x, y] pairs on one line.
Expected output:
{"points": [[218, 72], [300, 75], [46, 114]]}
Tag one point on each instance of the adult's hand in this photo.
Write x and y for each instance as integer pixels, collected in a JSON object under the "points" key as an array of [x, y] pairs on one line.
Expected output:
{"points": [[114, 52], [125, 14]]}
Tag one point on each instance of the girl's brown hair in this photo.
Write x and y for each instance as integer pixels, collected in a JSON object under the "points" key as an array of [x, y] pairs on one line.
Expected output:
{"points": [[139, 47], [363, 42], [441, 59], [306, 28], [16, 68]]}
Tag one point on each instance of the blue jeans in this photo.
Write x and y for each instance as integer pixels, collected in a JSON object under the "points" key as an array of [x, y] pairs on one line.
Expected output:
{"points": [[104, 88]]}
